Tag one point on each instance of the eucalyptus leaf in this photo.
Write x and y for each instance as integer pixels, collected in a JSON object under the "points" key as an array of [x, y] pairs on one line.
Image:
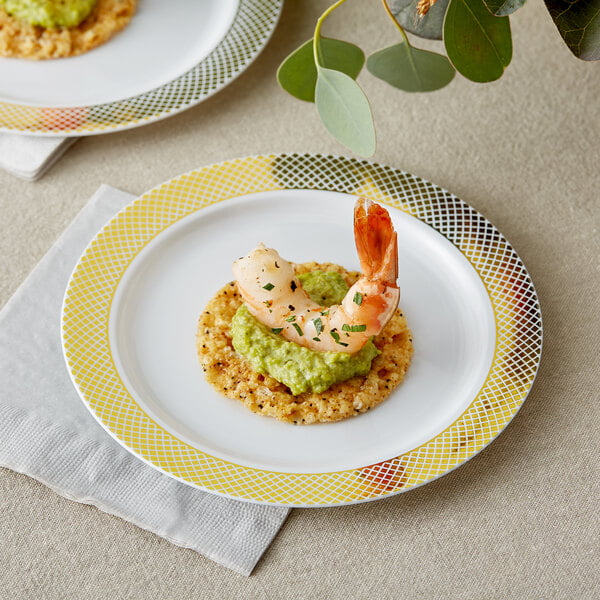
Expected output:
{"points": [[579, 25], [345, 111], [430, 26], [297, 74], [411, 69], [502, 8], [478, 44]]}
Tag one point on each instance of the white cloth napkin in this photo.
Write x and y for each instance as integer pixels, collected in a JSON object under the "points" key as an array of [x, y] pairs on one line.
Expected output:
{"points": [[28, 156], [47, 433]]}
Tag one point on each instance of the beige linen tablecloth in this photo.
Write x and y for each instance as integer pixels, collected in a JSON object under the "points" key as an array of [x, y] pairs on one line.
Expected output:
{"points": [[518, 521]]}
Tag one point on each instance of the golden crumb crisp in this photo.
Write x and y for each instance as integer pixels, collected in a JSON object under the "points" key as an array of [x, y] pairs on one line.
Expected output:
{"points": [[19, 39], [232, 376]]}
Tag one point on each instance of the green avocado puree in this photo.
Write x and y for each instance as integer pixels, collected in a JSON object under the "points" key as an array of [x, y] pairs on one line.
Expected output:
{"points": [[49, 13], [301, 369]]}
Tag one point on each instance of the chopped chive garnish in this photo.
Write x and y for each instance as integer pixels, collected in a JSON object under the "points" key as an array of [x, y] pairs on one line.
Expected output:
{"points": [[268, 302], [353, 328], [277, 329], [290, 319], [268, 287], [318, 325], [297, 328], [357, 298], [316, 339], [325, 312], [336, 336]]}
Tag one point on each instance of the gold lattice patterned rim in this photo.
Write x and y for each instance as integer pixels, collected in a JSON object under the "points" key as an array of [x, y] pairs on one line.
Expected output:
{"points": [[93, 284], [253, 24]]}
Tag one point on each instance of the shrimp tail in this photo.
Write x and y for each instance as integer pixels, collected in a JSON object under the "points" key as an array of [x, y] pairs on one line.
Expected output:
{"points": [[376, 242]]}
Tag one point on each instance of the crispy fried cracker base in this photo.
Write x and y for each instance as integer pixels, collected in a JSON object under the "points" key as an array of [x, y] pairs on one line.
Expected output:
{"points": [[232, 376]]}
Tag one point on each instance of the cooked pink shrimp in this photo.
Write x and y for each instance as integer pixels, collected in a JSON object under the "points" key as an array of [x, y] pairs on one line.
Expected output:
{"points": [[275, 297]]}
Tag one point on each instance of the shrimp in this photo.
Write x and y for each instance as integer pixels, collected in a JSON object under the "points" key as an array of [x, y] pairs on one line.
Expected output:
{"points": [[272, 293]]}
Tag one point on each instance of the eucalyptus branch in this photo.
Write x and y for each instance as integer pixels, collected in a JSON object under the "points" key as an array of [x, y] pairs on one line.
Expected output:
{"points": [[477, 40]]}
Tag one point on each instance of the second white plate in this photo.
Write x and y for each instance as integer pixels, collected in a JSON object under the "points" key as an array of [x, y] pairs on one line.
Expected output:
{"points": [[162, 41], [171, 56]]}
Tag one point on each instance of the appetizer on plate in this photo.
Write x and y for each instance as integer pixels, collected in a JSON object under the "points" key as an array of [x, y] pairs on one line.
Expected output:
{"points": [[40, 29], [311, 342]]}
